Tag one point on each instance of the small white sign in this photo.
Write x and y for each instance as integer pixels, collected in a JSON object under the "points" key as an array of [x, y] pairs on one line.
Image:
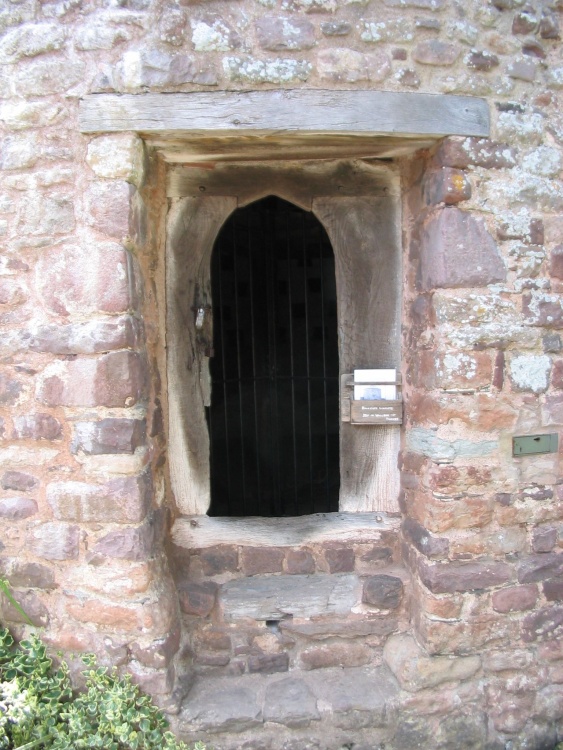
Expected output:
{"points": [[374, 388]]}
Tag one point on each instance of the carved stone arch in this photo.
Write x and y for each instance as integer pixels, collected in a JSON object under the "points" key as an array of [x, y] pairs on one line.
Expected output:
{"points": [[364, 233]]}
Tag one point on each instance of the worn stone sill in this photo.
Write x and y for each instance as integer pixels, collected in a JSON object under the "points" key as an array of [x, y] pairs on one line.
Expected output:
{"points": [[197, 532]]}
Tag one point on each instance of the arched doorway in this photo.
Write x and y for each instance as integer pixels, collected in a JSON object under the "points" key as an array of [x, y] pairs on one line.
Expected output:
{"points": [[274, 414]]}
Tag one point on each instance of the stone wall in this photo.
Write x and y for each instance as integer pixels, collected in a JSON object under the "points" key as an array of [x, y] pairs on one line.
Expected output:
{"points": [[470, 655]]}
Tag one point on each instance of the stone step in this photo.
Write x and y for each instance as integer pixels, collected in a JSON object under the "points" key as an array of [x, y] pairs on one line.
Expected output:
{"points": [[328, 706]]}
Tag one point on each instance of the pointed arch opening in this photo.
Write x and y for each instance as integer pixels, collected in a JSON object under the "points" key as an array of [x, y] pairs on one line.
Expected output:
{"points": [[274, 414]]}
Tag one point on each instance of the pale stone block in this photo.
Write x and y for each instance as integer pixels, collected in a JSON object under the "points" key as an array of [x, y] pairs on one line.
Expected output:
{"points": [[119, 157], [415, 670]]}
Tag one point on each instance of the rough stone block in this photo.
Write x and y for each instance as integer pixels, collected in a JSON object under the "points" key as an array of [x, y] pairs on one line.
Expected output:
{"points": [[117, 379], [107, 614], [28, 575], [396, 31], [416, 671], [34, 608], [10, 390], [220, 706], [150, 68], [542, 309], [119, 156], [458, 251], [268, 663], [273, 597], [108, 207], [336, 655], [278, 70], [447, 578], [553, 590], [123, 500], [336, 28], [197, 598], [55, 541], [259, 560], [436, 52], [92, 337], [108, 436], [348, 66], [481, 60], [515, 599], [218, 560], [540, 567], [383, 591], [290, 702], [447, 186], [556, 262], [529, 372], [357, 626], [477, 152], [299, 562], [544, 538], [30, 40], [134, 544], [430, 546], [19, 481], [61, 280], [49, 76], [340, 559], [284, 34], [48, 215], [16, 508], [157, 654], [545, 624], [18, 152], [36, 427]]}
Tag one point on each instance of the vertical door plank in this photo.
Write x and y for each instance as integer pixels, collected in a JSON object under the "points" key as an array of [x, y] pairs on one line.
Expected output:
{"points": [[365, 236], [193, 224]]}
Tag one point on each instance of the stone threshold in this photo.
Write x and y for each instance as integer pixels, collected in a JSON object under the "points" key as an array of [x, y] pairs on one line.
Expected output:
{"points": [[319, 700], [198, 532]]}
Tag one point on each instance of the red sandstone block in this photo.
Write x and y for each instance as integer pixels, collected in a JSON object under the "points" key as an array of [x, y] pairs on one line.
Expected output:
{"points": [[540, 567], [556, 262], [159, 653], [268, 663], [27, 575], [31, 604], [544, 539], [10, 390], [17, 508], [36, 427], [217, 560], [100, 612], [108, 207], [121, 500], [447, 578], [339, 559], [108, 436], [197, 598], [114, 380], [481, 60], [515, 599], [92, 337], [259, 560], [447, 186], [382, 591], [66, 287], [458, 251], [299, 562], [336, 655], [136, 544], [543, 309], [545, 624], [557, 374], [19, 481], [553, 590], [478, 152], [430, 546]]}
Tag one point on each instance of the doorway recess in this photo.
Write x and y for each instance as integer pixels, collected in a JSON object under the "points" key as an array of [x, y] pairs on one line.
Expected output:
{"points": [[274, 417]]}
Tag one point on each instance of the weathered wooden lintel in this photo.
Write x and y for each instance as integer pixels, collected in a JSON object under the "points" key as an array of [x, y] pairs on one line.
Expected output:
{"points": [[257, 114]]}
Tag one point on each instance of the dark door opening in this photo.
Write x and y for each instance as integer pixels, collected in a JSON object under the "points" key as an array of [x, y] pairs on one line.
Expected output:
{"points": [[274, 414]]}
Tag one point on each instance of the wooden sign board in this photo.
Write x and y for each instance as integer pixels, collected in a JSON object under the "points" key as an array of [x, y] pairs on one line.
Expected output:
{"points": [[367, 412], [376, 412]]}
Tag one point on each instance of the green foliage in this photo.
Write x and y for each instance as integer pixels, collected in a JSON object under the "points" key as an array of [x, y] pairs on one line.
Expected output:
{"points": [[38, 708]]}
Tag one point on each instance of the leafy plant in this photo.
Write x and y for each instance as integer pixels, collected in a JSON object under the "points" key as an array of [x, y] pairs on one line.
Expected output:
{"points": [[38, 708]]}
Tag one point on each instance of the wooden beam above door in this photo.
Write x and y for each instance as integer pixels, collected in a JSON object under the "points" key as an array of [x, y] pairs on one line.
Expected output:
{"points": [[309, 123]]}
